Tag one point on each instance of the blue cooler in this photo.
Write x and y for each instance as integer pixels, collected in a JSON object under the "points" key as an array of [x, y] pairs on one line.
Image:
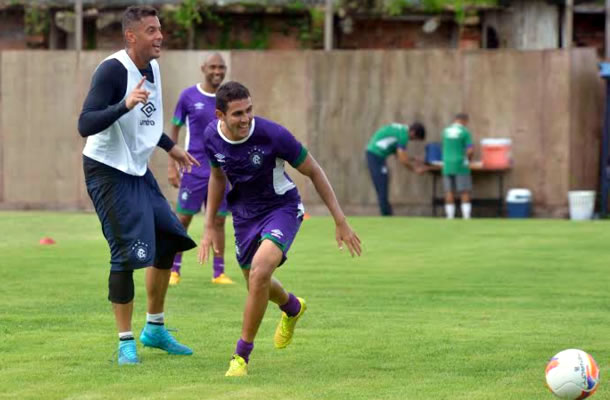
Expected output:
{"points": [[519, 203], [434, 152]]}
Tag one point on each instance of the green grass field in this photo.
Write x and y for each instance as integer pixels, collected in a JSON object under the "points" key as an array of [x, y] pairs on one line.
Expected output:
{"points": [[433, 309]]}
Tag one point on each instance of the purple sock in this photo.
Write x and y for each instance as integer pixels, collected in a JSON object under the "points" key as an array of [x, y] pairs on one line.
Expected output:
{"points": [[243, 349], [292, 307], [177, 263], [219, 266]]}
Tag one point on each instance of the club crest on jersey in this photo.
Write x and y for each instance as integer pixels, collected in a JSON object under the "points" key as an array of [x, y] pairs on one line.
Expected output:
{"points": [[255, 155], [140, 250]]}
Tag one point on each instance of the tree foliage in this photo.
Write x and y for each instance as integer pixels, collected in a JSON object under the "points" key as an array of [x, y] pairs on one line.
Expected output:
{"points": [[460, 7]]}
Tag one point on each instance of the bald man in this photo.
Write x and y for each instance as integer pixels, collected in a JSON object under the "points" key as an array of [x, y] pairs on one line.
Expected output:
{"points": [[195, 109]]}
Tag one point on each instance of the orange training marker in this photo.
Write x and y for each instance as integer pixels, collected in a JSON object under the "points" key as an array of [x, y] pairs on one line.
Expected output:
{"points": [[47, 240]]}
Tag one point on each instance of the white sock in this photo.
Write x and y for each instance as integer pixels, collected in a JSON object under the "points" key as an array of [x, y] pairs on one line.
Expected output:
{"points": [[155, 318], [450, 210], [126, 335], [466, 208]]}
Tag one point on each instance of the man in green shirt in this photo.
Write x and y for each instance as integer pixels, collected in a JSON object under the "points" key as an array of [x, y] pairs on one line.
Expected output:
{"points": [[457, 152], [388, 140]]}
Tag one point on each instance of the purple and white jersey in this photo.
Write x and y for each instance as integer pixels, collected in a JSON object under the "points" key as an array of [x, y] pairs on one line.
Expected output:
{"points": [[195, 109], [255, 166]]}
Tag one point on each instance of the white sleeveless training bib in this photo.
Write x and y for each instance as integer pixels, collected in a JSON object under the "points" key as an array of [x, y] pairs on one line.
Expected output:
{"points": [[128, 143]]}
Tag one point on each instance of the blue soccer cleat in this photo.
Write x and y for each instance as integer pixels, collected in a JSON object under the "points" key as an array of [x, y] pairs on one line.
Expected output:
{"points": [[158, 337], [127, 352]]}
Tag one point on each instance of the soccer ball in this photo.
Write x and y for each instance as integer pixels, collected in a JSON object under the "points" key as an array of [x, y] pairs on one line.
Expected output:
{"points": [[572, 375]]}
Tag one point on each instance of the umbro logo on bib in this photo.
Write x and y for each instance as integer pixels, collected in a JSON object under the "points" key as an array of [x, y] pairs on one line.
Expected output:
{"points": [[148, 109]]}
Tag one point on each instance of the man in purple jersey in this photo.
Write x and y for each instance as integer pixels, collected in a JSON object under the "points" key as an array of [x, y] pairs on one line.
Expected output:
{"points": [[267, 210], [196, 108]]}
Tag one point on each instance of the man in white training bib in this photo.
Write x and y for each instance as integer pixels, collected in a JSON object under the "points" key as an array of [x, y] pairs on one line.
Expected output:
{"points": [[122, 118]]}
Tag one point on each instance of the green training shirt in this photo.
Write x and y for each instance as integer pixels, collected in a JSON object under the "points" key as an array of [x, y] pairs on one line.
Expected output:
{"points": [[456, 140], [387, 139]]}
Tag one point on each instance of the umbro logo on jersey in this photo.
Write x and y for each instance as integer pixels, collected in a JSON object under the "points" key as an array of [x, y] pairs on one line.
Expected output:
{"points": [[199, 106], [148, 109], [220, 157], [277, 233]]}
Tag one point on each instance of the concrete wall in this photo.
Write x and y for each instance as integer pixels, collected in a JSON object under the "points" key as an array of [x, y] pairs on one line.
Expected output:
{"points": [[548, 102], [525, 96], [587, 99], [39, 150], [357, 92]]}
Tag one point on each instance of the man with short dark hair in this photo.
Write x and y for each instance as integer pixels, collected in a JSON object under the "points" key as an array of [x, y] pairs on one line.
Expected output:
{"points": [[122, 118], [196, 109], [267, 211], [388, 140], [457, 154]]}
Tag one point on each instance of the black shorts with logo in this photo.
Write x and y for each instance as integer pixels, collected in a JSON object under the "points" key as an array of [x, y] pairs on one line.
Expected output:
{"points": [[137, 221]]}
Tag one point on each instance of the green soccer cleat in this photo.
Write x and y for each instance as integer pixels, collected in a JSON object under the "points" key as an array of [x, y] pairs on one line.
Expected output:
{"points": [[158, 337], [237, 366], [127, 352], [285, 329]]}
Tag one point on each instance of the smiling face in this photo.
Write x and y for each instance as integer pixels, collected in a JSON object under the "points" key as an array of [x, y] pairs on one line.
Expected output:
{"points": [[214, 70], [144, 39], [237, 120]]}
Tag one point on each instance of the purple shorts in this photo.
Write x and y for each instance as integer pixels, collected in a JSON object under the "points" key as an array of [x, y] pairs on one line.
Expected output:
{"points": [[194, 192], [279, 225]]}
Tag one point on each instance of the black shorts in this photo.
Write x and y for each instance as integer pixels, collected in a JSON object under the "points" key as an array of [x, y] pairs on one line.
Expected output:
{"points": [[137, 221]]}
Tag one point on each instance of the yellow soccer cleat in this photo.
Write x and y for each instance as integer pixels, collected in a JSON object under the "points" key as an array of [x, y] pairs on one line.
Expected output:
{"points": [[222, 279], [174, 278], [237, 366], [285, 329]]}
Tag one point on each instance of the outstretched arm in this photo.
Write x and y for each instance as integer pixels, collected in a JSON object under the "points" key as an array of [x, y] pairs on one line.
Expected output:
{"points": [[343, 232], [412, 164], [183, 159], [470, 152], [172, 171], [216, 189], [403, 158]]}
